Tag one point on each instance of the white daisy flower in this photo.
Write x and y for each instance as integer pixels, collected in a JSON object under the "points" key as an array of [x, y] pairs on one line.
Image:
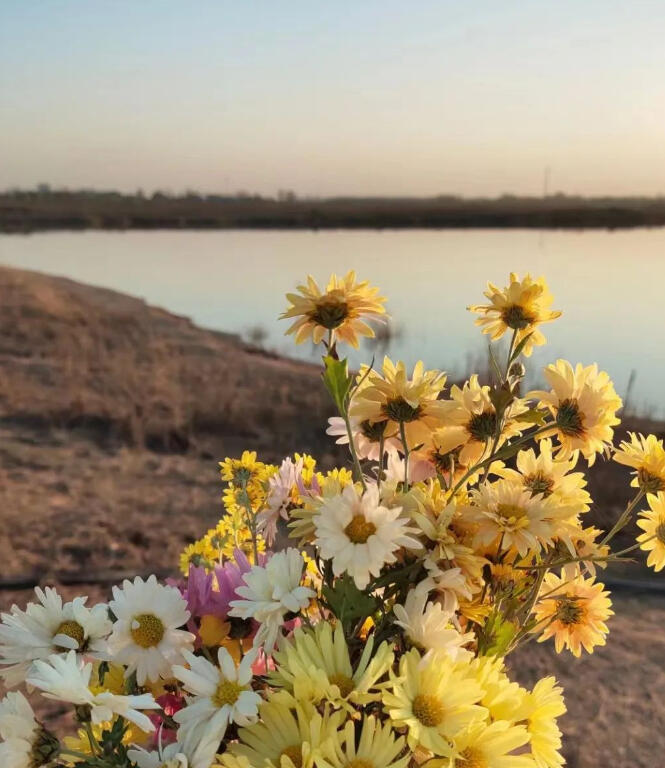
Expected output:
{"points": [[67, 678], [25, 743], [49, 627], [429, 627], [220, 695], [170, 756], [270, 592], [359, 535], [145, 636]]}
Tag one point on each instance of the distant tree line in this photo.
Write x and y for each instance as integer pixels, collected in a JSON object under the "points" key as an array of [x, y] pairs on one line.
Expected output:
{"points": [[46, 208]]}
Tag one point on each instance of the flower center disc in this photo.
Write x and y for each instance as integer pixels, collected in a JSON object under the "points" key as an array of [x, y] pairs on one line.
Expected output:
{"points": [[660, 532], [149, 632], [227, 693], [516, 317], [473, 759], [344, 683], [569, 612], [72, 629], [330, 312], [482, 426], [399, 410], [359, 529], [428, 710], [648, 482], [294, 753], [569, 419], [358, 762], [539, 483]]}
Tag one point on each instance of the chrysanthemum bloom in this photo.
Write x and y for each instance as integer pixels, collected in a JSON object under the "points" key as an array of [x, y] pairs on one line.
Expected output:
{"points": [[508, 515], [146, 637], [573, 613], [652, 522], [324, 488], [270, 592], [25, 743], [519, 307], [315, 664], [553, 477], [360, 535], [284, 736], [67, 678], [435, 701], [47, 627], [219, 695], [502, 697], [583, 403], [366, 436], [392, 398], [471, 416], [340, 310], [171, 756], [377, 747], [429, 627], [491, 745], [440, 455], [539, 711], [646, 455]]}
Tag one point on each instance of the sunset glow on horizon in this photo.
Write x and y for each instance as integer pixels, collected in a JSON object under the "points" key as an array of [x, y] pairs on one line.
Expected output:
{"points": [[372, 98]]}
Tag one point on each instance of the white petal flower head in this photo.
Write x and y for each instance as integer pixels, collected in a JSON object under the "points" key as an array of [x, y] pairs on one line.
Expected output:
{"points": [[170, 756], [431, 628], [280, 486], [360, 535], [270, 592], [219, 696], [67, 678], [146, 637], [49, 626], [25, 744]]}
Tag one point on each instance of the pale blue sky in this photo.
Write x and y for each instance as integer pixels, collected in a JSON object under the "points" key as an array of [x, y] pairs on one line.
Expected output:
{"points": [[370, 96]]}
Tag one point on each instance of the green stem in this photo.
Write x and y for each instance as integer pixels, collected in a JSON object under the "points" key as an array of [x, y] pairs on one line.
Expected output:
{"points": [[624, 518], [405, 447], [382, 442], [357, 471]]}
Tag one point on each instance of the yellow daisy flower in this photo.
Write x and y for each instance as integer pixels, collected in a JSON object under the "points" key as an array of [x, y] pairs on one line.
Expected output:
{"points": [[492, 745], [520, 307], [198, 554], [315, 664], [470, 411], [435, 699], [377, 747], [652, 522], [509, 516], [539, 711], [646, 455], [339, 310], [394, 398], [583, 403], [284, 737], [573, 613], [552, 476]]}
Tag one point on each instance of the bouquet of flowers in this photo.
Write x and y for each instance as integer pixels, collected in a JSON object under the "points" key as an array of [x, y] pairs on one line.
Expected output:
{"points": [[359, 617]]}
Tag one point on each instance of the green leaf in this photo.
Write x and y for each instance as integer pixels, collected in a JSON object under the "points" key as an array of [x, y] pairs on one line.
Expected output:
{"points": [[348, 603], [499, 633], [518, 349], [532, 416], [337, 380]]}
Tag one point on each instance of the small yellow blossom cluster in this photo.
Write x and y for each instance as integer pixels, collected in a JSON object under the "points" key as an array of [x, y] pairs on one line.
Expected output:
{"points": [[360, 616]]}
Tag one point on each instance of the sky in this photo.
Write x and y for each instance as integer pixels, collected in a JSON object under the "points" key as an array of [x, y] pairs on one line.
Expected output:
{"points": [[355, 97]]}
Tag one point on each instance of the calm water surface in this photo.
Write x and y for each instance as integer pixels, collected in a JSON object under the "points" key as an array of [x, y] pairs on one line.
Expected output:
{"points": [[609, 285]]}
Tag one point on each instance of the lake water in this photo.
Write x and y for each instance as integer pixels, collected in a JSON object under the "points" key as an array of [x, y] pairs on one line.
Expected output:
{"points": [[610, 286]]}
